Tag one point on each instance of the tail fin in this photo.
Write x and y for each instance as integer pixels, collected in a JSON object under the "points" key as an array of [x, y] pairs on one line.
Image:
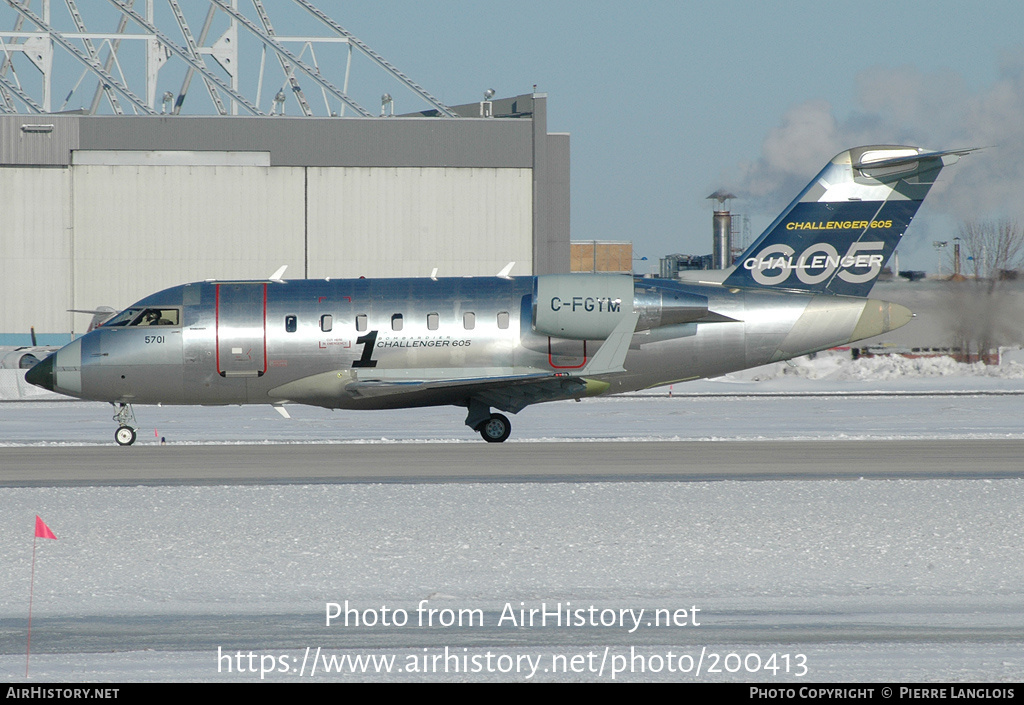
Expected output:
{"points": [[839, 232]]}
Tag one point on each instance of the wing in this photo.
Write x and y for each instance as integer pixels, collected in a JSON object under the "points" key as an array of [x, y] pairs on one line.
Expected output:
{"points": [[506, 388], [509, 393]]}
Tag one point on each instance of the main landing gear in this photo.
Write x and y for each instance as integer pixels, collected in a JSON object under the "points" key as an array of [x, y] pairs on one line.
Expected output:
{"points": [[125, 417], [493, 428]]}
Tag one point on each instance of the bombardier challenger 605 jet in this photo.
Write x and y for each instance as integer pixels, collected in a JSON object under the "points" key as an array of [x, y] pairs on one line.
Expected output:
{"points": [[507, 342]]}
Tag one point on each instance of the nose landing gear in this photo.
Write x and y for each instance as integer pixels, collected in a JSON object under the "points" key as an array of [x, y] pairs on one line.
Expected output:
{"points": [[124, 435], [125, 417]]}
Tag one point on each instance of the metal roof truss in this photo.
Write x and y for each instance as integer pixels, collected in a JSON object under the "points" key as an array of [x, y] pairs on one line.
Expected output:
{"points": [[43, 36]]}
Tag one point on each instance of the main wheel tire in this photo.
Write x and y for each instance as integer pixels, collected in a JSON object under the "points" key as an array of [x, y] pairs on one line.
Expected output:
{"points": [[496, 429], [124, 435]]}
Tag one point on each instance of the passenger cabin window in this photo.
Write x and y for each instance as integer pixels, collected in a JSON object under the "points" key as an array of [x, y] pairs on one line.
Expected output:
{"points": [[361, 322], [469, 320], [503, 319], [433, 321], [291, 324], [396, 322], [326, 323]]}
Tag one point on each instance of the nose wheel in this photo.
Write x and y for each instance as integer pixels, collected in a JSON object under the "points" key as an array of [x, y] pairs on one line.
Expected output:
{"points": [[124, 435], [125, 417]]}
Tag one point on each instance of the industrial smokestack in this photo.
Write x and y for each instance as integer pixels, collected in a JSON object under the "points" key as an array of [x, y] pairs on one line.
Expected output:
{"points": [[721, 252]]}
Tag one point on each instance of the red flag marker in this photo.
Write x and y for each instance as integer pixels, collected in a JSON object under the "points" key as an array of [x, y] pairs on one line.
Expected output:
{"points": [[42, 532]]}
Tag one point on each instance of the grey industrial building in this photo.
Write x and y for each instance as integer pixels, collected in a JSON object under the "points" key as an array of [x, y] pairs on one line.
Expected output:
{"points": [[154, 179], [102, 210]]}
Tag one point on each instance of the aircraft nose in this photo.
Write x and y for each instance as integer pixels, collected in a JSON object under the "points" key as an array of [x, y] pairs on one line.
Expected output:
{"points": [[41, 374]]}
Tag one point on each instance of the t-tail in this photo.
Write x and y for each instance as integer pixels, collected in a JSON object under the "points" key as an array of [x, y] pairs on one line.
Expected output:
{"points": [[841, 230]]}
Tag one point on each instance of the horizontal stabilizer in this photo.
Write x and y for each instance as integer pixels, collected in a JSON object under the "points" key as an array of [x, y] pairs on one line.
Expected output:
{"points": [[868, 163]]}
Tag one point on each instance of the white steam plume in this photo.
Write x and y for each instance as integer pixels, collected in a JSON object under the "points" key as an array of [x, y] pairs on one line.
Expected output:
{"points": [[906, 106]]}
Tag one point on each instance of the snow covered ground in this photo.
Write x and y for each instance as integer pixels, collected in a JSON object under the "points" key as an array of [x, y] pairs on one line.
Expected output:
{"points": [[792, 581]]}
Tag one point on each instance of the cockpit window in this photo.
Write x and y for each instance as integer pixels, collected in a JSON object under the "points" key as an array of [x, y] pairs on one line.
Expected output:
{"points": [[157, 317], [123, 318], [146, 317]]}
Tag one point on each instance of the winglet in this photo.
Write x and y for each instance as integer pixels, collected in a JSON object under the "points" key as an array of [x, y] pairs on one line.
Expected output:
{"points": [[613, 351], [276, 276], [503, 274]]}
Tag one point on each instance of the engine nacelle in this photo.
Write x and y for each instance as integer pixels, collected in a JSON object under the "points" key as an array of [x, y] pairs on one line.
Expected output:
{"points": [[663, 306], [23, 359], [581, 306], [589, 306]]}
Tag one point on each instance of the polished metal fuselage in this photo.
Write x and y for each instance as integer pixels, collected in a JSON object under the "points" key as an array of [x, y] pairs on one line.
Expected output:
{"points": [[314, 341]]}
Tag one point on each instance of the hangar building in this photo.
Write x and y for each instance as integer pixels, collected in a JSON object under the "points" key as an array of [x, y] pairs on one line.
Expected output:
{"points": [[101, 210]]}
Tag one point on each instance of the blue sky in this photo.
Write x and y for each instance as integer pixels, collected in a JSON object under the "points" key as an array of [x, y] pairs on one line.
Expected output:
{"points": [[669, 101]]}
